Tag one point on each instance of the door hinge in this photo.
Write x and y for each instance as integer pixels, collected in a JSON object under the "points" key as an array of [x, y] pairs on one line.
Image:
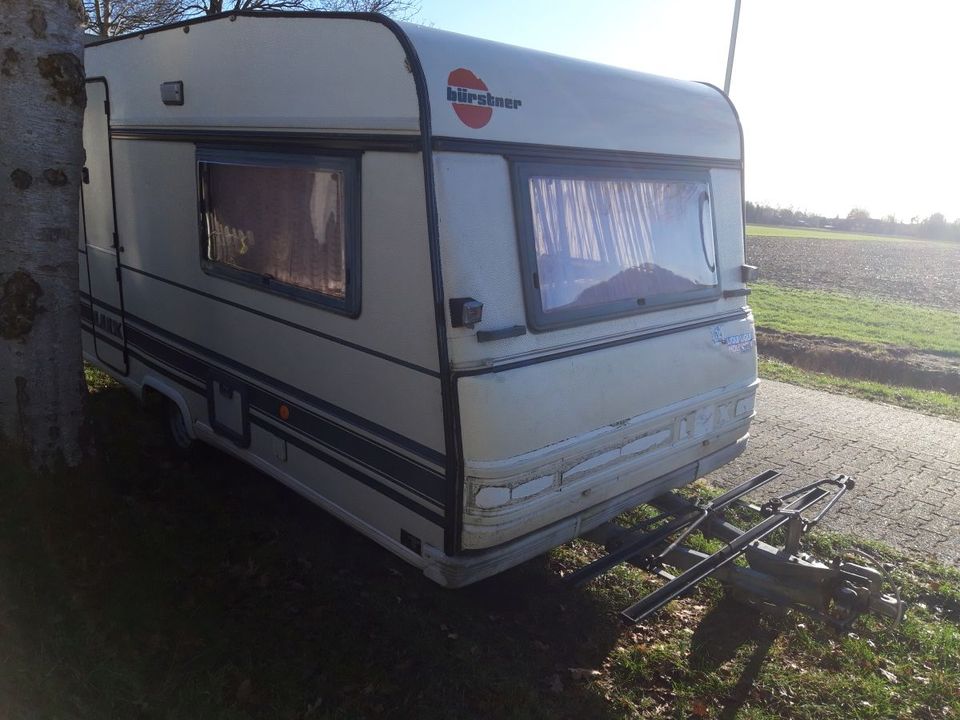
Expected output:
{"points": [[118, 273], [106, 107], [116, 239]]}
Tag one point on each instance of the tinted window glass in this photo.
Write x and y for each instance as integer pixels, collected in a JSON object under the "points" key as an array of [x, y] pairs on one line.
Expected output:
{"points": [[286, 223], [283, 222], [604, 241]]}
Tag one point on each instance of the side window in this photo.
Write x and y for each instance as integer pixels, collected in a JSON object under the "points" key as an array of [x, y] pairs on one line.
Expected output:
{"points": [[606, 242], [283, 223]]}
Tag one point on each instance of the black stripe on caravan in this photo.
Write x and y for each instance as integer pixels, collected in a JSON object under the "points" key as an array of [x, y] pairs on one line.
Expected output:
{"points": [[425, 484], [310, 449], [533, 151], [97, 301], [288, 323], [175, 358], [272, 383], [706, 322], [327, 458], [190, 384], [403, 471], [343, 467], [88, 326], [399, 469], [325, 141]]}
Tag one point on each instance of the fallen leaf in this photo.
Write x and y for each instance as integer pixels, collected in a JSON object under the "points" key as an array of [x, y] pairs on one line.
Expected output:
{"points": [[698, 708], [583, 673], [888, 675]]}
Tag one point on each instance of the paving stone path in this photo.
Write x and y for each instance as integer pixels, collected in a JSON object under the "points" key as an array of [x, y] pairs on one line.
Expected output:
{"points": [[907, 465]]}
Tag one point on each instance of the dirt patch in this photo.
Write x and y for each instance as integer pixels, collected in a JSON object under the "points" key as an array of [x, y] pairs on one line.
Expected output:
{"points": [[18, 305], [887, 364], [64, 72], [914, 271]]}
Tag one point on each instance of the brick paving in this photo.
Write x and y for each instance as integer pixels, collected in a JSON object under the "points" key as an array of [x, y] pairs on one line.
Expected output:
{"points": [[907, 465]]}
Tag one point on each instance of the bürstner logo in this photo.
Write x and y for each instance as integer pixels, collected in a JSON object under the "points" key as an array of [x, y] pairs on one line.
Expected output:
{"points": [[472, 100]]}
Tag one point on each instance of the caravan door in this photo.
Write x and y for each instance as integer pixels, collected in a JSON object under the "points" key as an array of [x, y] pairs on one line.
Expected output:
{"points": [[99, 229]]}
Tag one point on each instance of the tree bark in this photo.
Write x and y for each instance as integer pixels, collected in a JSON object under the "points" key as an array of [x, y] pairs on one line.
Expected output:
{"points": [[42, 96]]}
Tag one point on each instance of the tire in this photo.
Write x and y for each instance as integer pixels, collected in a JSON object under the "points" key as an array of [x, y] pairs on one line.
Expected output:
{"points": [[177, 429]]}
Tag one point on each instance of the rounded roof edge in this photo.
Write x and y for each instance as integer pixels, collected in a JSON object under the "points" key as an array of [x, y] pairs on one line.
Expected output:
{"points": [[486, 90]]}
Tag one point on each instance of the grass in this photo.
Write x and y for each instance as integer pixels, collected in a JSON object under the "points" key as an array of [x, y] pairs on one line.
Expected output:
{"points": [[930, 402], [856, 319], [97, 380], [154, 587], [821, 234]]}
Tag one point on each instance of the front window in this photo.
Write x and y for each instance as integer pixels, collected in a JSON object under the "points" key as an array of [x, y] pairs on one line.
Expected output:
{"points": [[605, 242], [282, 223]]}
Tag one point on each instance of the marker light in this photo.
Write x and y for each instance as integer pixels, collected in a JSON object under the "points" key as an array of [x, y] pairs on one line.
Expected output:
{"points": [[465, 312]]}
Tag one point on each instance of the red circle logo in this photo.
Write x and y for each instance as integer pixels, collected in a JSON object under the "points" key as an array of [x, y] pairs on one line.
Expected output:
{"points": [[460, 82]]}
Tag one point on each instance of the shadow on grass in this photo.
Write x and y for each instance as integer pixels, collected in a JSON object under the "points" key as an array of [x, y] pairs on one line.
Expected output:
{"points": [[713, 645], [157, 588]]}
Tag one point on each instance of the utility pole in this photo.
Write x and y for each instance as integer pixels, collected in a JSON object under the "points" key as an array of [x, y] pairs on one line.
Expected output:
{"points": [[733, 46]]}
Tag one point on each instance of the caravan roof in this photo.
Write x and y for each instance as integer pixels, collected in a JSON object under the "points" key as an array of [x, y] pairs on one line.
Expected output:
{"points": [[353, 73]]}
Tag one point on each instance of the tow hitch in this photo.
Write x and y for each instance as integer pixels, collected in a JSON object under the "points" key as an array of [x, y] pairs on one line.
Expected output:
{"points": [[836, 593]]}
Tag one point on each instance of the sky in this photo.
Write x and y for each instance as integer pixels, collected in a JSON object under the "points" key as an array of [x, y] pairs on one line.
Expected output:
{"points": [[844, 103]]}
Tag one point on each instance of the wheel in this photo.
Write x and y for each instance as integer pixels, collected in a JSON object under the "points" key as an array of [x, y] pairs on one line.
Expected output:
{"points": [[177, 428]]}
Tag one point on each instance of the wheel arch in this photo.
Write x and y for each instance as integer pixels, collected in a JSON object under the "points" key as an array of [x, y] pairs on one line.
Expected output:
{"points": [[151, 385]]}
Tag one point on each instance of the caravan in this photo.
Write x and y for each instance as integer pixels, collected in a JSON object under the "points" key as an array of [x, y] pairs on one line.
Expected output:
{"points": [[474, 300]]}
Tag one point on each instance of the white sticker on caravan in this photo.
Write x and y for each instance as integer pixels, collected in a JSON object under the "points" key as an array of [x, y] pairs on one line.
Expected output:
{"points": [[735, 343]]}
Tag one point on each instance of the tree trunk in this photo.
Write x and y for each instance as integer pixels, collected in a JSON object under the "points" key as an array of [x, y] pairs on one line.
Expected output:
{"points": [[42, 96]]}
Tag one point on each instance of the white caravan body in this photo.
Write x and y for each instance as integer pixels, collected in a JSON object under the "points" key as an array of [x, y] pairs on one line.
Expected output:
{"points": [[291, 221]]}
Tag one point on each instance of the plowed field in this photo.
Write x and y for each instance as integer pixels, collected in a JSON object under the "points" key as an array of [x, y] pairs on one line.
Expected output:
{"points": [[916, 271]]}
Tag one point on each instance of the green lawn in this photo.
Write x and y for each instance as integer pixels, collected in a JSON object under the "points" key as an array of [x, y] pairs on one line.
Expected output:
{"points": [[930, 402], [821, 234], [154, 587], [863, 320]]}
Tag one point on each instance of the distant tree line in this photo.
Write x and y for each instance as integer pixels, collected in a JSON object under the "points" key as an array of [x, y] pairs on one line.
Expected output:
{"points": [[106, 18], [934, 227]]}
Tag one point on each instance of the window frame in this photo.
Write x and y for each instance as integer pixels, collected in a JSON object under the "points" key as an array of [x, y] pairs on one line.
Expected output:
{"points": [[538, 319], [307, 159]]}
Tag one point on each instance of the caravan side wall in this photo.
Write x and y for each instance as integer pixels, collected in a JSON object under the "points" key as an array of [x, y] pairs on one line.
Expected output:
{"points": [[346, 410]]}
